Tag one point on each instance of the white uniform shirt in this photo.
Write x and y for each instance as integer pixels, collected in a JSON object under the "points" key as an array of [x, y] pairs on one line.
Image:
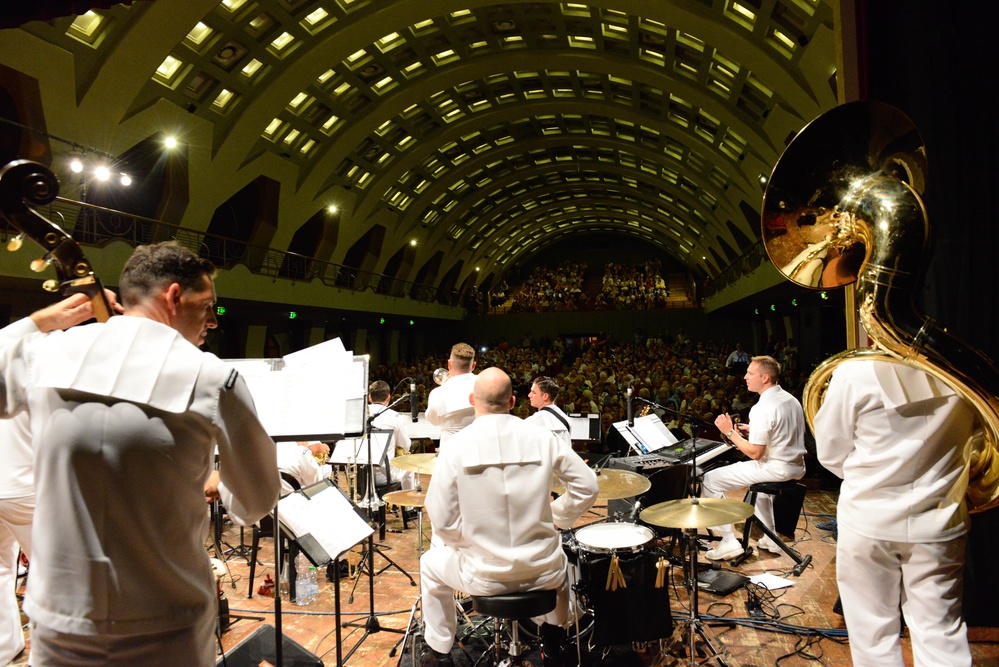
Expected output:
{"points": [[898, 438], [298, 462], [448, 406], [778, 422], [490, 499], [389, 420], [546, 419], [17, 477], [124, 418]]}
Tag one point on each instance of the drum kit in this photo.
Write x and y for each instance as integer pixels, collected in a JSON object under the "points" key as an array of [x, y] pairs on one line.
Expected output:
{"points": [[606, 550]]}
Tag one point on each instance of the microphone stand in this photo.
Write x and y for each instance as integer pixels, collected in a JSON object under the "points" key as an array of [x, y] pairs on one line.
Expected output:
{"points": [[371, 503]]}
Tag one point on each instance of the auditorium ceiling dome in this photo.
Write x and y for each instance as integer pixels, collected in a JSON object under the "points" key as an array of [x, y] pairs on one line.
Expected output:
{"points": [[470, 133]]}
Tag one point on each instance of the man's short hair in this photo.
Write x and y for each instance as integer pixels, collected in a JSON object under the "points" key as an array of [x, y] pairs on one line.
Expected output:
{"points": [[769, 366], [378, 391], [156, 266], [462, 356], [546, 385]]}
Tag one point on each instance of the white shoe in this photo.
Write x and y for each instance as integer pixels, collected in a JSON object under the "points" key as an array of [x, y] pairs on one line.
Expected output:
{"points": [[725, 551], [767, 544]]}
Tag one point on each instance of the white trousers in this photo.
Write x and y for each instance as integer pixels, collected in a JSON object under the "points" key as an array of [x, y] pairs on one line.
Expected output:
{"points": [[193, 646], [876, 577], [15, 529], [440, 577], [741, 475]]}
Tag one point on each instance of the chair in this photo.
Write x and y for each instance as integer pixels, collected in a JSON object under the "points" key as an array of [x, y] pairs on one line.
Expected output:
{"points": [[788, 487], [265, 528], [505, 610]]}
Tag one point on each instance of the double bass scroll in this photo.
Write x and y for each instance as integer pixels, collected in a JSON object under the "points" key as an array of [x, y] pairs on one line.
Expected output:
{"points": [[24, 184]]}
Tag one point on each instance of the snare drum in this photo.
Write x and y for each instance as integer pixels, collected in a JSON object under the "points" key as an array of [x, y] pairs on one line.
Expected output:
{"points": [[609, 538]]}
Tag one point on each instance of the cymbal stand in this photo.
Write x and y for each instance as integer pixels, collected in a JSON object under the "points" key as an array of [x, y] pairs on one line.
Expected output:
{"points": [[412, 624], [695, 626]]}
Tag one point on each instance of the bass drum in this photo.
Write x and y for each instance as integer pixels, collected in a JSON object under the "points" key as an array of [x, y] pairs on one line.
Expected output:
{"points": [[638, 612]]}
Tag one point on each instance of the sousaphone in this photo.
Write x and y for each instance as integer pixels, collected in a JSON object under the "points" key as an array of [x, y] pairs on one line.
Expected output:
{"points": [[844, 205]]}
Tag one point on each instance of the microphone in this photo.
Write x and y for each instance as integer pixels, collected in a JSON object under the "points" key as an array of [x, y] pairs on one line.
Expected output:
{"points": [[413, 407], [631, 406], [634, 511]]}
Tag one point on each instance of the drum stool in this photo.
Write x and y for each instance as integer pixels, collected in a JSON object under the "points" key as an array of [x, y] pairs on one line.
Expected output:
{"points": [[774, 489], [505, 610]]}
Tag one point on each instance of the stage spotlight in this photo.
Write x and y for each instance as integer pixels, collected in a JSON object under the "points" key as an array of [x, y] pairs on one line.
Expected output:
{"points": [[102, 173], [170, 142], [413, 243], [76, 165], [331, 209], [126, 180]]}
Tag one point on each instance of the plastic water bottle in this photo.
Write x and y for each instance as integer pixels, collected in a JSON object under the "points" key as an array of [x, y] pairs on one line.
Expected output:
{"points": [[306, 581]]}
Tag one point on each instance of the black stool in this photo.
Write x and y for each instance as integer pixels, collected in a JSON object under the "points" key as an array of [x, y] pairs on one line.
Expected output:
{"points": [[505, 610], [773, 489]]}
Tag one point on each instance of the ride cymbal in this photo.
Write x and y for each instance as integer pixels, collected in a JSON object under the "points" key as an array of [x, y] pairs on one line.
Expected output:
{"points": [[406, 498], [696, 512], [418, 463], [614, 484]]}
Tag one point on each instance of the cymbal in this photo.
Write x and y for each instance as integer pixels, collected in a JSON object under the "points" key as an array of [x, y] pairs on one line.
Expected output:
{"points": [[406, 498], [696, 512], [418, 463], [614, 484]]}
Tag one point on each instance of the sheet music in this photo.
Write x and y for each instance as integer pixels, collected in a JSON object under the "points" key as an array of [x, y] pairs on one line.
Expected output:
{"points": [[652, 433], [328, 517], [422, 429], [316, 392], [355, 450], [581, 428]]}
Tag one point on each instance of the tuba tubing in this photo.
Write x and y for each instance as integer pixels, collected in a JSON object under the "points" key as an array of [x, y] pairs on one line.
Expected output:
{"points": [[883, 215]]}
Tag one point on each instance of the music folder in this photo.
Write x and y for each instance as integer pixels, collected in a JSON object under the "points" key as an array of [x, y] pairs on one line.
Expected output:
{"points": [[322, 521]]}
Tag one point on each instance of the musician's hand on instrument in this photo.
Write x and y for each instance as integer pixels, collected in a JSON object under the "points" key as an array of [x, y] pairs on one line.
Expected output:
{"points": [[724, 423], [212, 487], [64, 314], [743, 429], [113, 301]]}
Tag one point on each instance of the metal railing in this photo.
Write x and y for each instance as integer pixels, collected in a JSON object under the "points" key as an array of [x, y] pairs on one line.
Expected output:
{"points": [[97, 226]]}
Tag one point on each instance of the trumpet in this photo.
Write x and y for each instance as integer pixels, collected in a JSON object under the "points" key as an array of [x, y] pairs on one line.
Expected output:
{"points": [[440, 375]]}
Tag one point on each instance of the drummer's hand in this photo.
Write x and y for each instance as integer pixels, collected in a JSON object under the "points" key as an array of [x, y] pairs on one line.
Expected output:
{"points": [[212, 487], [724, 422]]}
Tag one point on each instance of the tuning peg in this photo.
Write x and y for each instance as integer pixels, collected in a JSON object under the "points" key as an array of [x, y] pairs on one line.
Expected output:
{"points": [[50, 285], [15, 243], [38, 265]]}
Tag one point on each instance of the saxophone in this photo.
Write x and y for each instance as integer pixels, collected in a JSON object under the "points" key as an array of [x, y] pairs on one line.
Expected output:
{"points": [[859, 217]]}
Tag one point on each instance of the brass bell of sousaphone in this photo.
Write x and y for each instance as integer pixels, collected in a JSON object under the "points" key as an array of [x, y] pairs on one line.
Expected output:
{"points": [[844, 205]]}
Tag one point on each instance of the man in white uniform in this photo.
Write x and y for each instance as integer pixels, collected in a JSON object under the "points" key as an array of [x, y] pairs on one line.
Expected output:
{"points": [[124, 418], [490, 502], [898, 437], [774, 440], [385, 418], [17, 482], [447, 405], [544, 391]]}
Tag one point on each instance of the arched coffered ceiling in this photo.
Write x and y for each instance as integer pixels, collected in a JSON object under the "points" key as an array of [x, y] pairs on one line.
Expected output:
{"points": [[478, 128]]}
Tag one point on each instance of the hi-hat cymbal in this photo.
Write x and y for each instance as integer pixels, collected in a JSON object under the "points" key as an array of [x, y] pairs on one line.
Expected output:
{"points": [[614, 484], [406, 498], [418, 463], [696, 512]]}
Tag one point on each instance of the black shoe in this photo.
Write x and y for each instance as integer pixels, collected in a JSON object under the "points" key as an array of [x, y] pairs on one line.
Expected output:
{"points": [[431, 658], [553, 640]]}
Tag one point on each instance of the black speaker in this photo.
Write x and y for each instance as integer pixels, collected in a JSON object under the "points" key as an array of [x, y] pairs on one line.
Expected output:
{"points": [[259, 647], [668, 483]]}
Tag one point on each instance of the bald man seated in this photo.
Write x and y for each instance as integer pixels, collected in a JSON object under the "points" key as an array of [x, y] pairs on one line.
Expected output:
{"points": [[490, 502]]}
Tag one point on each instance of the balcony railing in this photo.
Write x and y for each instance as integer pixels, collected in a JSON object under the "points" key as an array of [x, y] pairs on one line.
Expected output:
{"points": [[97, 226]]}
